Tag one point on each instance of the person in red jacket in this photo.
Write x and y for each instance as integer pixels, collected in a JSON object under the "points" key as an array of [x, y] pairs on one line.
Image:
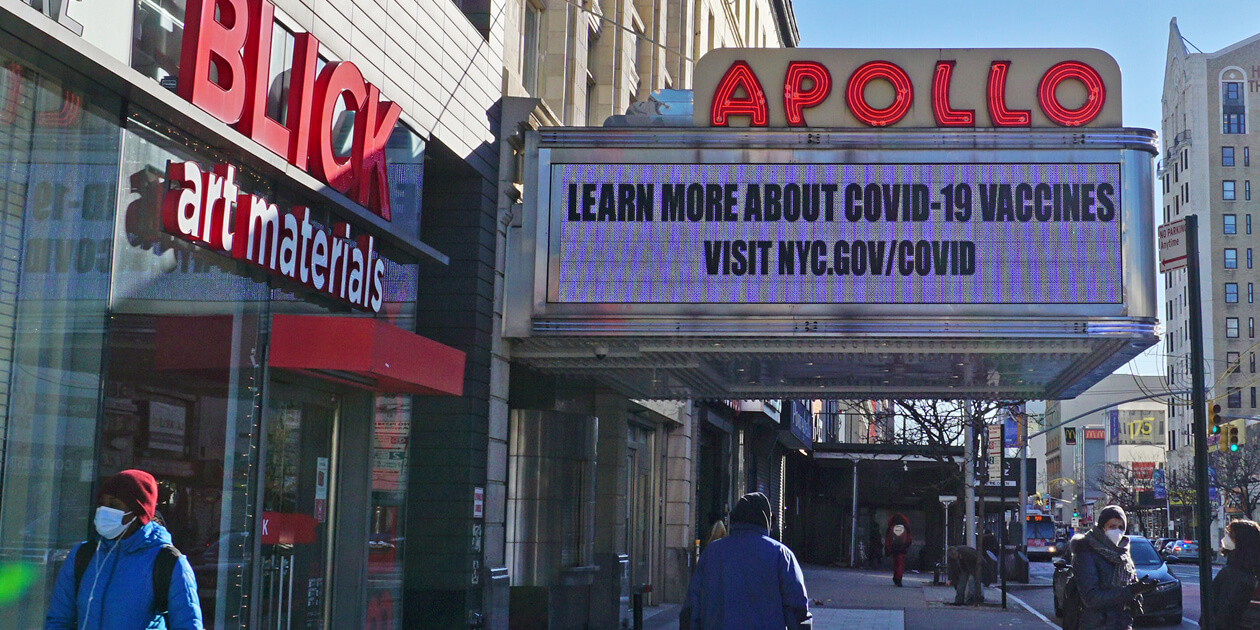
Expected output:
{"points": [[896, 543]]}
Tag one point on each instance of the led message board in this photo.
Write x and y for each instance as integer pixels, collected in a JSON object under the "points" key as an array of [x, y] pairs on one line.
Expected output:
{"points": [[913, 233]]}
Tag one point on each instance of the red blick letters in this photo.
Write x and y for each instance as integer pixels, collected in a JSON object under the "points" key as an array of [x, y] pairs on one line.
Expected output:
{"points": [[238, 46], [208, 42], [338, 78], [255, 122], [371, 134]]}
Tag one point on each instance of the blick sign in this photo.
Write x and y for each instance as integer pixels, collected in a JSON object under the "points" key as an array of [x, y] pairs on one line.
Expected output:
{"points": [[234, 36], [911, 88]]}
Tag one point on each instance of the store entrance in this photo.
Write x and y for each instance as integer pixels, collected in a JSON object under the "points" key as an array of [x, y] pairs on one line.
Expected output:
{"points": [[296, 524]]}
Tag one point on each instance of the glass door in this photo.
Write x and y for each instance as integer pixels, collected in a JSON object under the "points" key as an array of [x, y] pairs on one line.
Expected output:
{"points": [[296, 522]]}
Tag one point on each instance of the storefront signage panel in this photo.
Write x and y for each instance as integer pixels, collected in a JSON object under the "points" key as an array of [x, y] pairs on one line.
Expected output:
{"points": [[907, 88], [208, 209], [988, 233]]}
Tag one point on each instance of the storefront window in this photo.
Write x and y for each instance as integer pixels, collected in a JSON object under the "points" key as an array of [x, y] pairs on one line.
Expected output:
{"points": [[184, 379], [58, 173]]}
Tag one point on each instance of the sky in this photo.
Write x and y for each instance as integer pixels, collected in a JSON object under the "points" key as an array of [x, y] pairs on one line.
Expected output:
{"points": [[1134, 33]]}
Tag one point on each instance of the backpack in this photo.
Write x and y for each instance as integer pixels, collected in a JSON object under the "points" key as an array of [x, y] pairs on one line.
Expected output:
{"points": [[1072, 604], [163, 568]]}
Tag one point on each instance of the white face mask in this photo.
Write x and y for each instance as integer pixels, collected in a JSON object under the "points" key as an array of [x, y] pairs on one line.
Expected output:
{"points": [[1114, 535], [109, 523], [899, 530], [1227, 543]]}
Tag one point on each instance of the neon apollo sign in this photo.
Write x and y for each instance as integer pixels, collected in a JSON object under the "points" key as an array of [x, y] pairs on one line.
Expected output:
{"points": [[979, 226], [207, 207], [1016, 88]]}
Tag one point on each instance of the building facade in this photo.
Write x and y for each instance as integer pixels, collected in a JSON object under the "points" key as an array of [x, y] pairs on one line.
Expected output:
{"points": [[1207, 171], [656, 474], [249, 247], [1105, 432]]}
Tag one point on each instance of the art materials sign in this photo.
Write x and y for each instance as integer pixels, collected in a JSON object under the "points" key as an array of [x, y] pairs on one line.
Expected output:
{"points": [[907, 88], [208, 209], [826, 233]]}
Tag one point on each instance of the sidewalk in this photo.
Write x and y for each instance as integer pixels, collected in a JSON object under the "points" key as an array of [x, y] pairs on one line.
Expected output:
{"points": [[851, 599]]}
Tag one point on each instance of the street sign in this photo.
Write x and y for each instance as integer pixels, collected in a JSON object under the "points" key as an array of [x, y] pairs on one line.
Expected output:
{"points": [[1172, 246], [995, 455]]}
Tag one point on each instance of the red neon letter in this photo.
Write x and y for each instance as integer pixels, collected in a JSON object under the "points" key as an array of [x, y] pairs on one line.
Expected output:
{"points": [[1049, 101], [855, 95], [947, 116], [740, 75], [254, 120], [372, 126], [337, 78], [795, 97], [209, 41], [998, 113]]}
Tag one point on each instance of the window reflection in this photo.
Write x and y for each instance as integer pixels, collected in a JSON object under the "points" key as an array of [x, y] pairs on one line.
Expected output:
{"points": [[59, 148]]}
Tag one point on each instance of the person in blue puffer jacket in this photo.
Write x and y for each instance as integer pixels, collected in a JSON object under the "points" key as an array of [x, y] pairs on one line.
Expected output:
{"points": [[748, 580], [116, 590]]}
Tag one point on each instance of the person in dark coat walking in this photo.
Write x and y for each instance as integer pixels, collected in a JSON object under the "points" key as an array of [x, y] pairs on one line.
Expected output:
{"points": [[962, 574], [876, 559], [897, 541], [748, 579], [1235, 585], [116, 590], [1105, 575]]}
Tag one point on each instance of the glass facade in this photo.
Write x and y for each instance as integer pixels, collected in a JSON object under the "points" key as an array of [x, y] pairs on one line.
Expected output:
{"points": [[122, 346], [59, 146]]}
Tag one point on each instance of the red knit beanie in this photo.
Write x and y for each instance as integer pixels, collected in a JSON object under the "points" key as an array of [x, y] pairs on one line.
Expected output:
{"points": [[136, 488]]}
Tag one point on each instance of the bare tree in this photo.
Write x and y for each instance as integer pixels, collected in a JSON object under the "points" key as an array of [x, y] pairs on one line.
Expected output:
{"points": [[1120, 485], [1238, 477]]}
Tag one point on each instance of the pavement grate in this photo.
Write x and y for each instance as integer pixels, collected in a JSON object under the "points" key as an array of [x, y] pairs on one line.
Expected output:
{"points": [[859, 618]]}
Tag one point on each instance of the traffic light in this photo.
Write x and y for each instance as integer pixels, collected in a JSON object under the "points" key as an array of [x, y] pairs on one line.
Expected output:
{"points": [[1215, 420], [1235, 436]]}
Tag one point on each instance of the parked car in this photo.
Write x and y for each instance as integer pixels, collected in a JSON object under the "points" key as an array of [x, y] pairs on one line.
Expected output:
{"points": [[1183, 551], [1162, 604]]}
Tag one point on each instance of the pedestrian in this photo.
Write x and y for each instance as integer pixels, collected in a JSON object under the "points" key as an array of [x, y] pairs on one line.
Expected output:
{"points": [[877, 558], [1235, 586], [962, 574], [748, 579], [112, 586], [1105, 576], [897, 541], [717, 532]]}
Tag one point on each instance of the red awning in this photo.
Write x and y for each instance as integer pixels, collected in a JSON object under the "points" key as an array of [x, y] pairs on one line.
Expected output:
{"points": [[359, 351], [368, 353]]}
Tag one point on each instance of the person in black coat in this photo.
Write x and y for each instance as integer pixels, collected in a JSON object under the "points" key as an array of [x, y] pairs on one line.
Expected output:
{"points": [[1105, 575], [1236, 583]]}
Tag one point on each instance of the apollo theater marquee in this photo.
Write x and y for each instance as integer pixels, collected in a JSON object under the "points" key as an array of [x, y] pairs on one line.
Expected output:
{"points": [[847, 223]]}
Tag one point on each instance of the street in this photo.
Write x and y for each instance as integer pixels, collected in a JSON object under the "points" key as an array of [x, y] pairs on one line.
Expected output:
{"points": [[1039, 594], [846, 598]]}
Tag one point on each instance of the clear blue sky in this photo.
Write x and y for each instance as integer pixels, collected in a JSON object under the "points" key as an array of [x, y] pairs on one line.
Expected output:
{"points": [[1135, 33]]}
